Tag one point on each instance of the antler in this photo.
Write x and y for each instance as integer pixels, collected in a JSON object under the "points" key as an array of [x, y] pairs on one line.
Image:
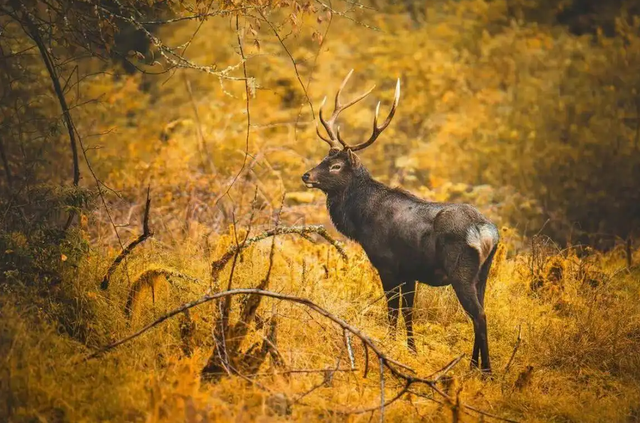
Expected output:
{"points": [[334, 140]]}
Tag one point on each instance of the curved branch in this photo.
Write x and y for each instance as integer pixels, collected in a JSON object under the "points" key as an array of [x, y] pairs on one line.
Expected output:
{"points": [[303, 231], [34, 32], [385, 361], [146, 233]]}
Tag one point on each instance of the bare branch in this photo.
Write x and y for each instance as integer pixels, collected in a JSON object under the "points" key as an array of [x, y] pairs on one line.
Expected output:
{"points": [[346, 16], [382, 390], [293, 60], [443, 371], [146, 233], [34, 32], [202, 142], [347, 343], [515, 350], [366, 360], [218, 265], [384, 360], [396, 397]]}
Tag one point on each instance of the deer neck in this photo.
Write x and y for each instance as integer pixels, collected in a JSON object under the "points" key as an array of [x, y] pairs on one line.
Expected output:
{"points": [[347, 204]]}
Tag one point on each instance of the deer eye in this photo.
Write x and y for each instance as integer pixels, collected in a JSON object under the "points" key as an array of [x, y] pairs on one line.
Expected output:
{"points": [[335, 167]]}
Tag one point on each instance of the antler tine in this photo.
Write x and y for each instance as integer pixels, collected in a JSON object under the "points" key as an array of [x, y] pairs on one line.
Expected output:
{"points": [[335, 140], [340, 140], [354, 101], [329, 125], [377, 130], [328, 141], [338, 107], [342, 85]]}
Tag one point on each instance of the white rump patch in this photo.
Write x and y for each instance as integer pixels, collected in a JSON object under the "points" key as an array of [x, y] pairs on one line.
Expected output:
{"points": [[483, 238]]}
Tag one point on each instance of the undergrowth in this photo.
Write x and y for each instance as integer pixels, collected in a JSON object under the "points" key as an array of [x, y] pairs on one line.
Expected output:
{"points": [[577, 316]]}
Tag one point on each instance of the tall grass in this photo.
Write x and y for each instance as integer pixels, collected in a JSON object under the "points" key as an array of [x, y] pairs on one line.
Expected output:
{"points": [[577, 360]]}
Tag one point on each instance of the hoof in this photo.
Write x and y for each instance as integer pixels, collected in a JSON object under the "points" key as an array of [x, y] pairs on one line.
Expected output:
{"points": [[487, 374]]}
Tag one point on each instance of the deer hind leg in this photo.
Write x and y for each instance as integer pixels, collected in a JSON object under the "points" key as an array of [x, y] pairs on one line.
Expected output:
{"points": [[464, 272], [484, 275], [468, 297]]}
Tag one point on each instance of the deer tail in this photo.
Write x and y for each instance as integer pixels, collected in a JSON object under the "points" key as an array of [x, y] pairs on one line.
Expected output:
{"points": [[483, 237]]}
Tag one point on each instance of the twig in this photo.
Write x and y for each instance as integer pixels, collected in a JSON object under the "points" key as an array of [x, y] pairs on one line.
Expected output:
{"points": [[346, 16], [485, 413], [34, 32], [200, 16], [384, 360], [465, 407], [397, 289], [366, 360], [347, 343], [146, 233], [396, 397], [293, 60], [382, 390], [307, 371], [443, 371], [218, 265], [311, 73], [515, 350], [455, 410], [326, 381], [202, 142]]}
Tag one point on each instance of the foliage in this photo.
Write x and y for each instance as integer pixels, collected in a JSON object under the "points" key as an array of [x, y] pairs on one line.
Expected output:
{"points": [[212, 105], [583, 358]]}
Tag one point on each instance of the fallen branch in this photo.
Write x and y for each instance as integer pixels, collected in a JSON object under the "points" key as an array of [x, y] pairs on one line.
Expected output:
{"points": [[233, 336], [443, 371], [146, 233], [149, 278], [218, 265], [466, 408], [385, 361]]}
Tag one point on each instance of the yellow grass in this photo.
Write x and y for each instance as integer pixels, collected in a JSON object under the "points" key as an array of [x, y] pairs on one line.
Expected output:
{"points": [[578, 361]]}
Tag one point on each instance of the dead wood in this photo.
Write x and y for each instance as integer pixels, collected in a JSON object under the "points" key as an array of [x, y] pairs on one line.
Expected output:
{"points": [[146, 233], [394, 367]]}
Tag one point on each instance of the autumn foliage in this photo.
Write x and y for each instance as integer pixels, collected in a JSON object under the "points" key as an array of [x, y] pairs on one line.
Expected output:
{"points": [[527, 109]]}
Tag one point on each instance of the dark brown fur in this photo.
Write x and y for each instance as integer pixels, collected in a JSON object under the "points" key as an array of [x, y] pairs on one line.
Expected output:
{"points": [[409, 239]]}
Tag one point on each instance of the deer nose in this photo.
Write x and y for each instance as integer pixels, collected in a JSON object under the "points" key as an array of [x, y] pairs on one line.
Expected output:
{"points": [[306, 177]]}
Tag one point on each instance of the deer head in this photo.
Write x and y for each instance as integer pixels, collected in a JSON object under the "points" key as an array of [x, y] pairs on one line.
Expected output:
{"points": [[337, 168]]}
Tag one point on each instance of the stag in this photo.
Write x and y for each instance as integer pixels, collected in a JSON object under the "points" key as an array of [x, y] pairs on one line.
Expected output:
{"points": [[407, 239]]}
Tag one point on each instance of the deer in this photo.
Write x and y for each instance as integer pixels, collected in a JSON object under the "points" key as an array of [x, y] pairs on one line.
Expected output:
{"points": [[407, 239]]}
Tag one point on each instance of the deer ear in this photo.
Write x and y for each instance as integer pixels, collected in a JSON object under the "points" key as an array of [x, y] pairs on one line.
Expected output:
{"points": [[354, 160]]}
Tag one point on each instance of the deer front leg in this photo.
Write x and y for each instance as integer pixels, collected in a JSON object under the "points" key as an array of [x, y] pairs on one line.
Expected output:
{"points": [[391, 287], [393, 306], [394, 290], [408, 295]]}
